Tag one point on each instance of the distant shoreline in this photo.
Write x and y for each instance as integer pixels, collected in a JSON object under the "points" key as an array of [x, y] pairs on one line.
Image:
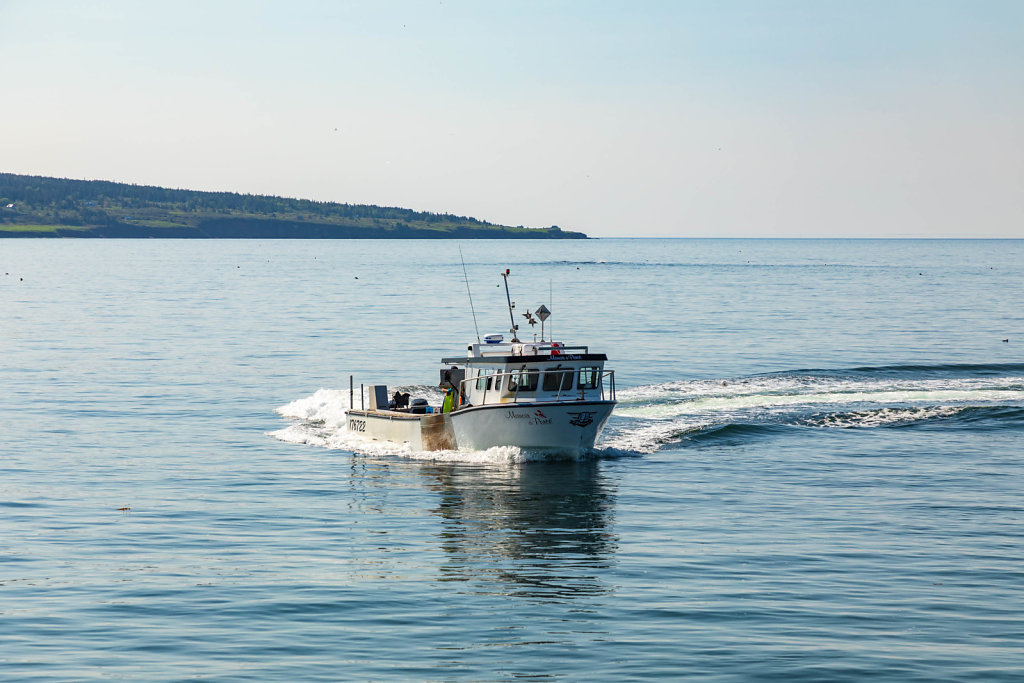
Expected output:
{"points": [[270, 229], [45, 207]]}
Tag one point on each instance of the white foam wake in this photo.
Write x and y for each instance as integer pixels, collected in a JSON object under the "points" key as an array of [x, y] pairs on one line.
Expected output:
{"points": [[714, 404], [647, 437], [885, 417], [648, 417], [326, 406]]}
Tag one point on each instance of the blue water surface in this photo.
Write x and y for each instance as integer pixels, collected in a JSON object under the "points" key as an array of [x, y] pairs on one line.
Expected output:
{"points": [[815, 472]]}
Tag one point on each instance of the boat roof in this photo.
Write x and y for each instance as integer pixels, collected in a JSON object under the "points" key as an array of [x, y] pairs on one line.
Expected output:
{"points": [[513, 359], [515, 352]]}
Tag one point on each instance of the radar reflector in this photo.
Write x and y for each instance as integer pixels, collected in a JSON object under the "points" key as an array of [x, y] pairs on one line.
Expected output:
{"points": [[542, 314]]}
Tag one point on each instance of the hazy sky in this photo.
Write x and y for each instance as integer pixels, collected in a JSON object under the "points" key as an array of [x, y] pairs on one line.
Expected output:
{"points": [[732, 119]]}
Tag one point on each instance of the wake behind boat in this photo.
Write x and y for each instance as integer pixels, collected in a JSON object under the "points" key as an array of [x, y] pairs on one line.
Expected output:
{"points": [[541, 395]]}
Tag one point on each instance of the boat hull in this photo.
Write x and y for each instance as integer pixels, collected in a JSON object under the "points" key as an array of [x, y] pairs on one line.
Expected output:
{"points": [[430, 432], [569, 427]]}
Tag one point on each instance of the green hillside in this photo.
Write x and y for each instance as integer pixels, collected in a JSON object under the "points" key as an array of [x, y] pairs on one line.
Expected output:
{"points": [[36, 206]]}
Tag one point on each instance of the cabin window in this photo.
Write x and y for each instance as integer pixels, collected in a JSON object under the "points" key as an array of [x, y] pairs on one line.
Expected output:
{"points": [[558, 378], [589, 378], [483, 380], [552, 380], [525, 380]]}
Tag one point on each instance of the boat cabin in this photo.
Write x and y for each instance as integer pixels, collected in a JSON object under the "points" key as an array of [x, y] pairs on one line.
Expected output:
{"points": [[498, 372]]}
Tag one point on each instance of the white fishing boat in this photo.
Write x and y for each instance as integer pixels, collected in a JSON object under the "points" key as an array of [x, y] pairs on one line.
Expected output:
{"points": [[542, 395]]}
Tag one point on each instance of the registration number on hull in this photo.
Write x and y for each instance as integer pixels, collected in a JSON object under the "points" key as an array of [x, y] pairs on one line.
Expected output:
{"points": [[357, 425]]}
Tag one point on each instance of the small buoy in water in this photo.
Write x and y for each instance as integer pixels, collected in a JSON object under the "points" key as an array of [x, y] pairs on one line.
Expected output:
{"points": [[357, 277], [724, 383], [124, 509], [1006, 341]]}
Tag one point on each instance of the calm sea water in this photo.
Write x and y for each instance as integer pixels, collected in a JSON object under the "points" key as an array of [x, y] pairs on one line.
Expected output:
{"points": [[816, 470]]}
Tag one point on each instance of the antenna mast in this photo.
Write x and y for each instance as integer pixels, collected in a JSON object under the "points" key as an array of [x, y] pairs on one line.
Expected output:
{"points": [[551, 303], [470, 295], [508, 297]]}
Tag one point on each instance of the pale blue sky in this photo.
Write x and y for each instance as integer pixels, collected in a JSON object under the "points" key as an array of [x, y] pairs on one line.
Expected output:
{"points": [[731, 119]]}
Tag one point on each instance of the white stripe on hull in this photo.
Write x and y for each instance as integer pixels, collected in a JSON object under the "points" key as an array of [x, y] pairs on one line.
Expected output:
{"points": [[566, 427]]}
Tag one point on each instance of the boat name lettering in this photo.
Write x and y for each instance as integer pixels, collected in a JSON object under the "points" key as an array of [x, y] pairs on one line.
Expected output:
{"points": [[357, 425], [537, 417]]}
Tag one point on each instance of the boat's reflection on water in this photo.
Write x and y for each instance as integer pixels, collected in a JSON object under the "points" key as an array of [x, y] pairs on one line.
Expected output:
{"points": [[540, 529]]}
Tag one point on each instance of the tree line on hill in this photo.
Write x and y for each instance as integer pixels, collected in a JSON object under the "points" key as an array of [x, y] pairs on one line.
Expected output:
{"points": [[40, 206]]}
